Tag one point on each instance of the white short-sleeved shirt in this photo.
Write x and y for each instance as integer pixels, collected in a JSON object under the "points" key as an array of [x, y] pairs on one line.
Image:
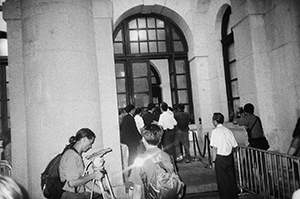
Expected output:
{"points": [[167, 120], [139, 122], [223, 139]]}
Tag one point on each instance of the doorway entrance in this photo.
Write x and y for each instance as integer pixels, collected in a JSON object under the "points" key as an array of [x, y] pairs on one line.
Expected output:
{"points": [[143, 82], [151, 62]]}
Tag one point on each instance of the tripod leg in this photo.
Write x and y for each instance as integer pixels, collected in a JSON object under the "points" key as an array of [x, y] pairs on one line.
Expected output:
{"points": [[93, 186], [107, 194], [110, 187], [102, 189]]}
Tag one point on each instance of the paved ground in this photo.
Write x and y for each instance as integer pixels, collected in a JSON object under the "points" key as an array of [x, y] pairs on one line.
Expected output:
{"points": [[197, 176], [200, 180]]}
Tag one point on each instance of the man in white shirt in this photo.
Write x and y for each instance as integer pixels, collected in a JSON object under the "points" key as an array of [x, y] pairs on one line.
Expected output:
{"points": [[138, 119], [139, 125], [168, 123], [223, 142]]}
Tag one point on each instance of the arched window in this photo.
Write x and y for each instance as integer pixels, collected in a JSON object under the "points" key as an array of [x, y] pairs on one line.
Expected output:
{"points": [[4, 94], [146, 47], [231, 78]]}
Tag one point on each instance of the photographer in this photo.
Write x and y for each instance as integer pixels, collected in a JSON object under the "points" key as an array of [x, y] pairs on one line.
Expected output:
{"points": [[71, 167], [253, 126]]}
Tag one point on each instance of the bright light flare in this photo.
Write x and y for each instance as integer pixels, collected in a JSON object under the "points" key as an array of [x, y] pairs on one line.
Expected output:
{"points": [[138, 162]]}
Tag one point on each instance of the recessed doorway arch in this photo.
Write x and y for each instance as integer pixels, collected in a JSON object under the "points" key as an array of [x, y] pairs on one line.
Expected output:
{"points": [[148, 44]]}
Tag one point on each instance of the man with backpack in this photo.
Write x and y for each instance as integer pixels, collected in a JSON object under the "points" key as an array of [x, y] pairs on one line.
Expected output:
{"points": [[154, 174], [63, 177], [71, 168]]}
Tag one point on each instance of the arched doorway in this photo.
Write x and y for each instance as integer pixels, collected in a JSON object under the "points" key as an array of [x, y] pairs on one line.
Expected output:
{"points": [[155, 85], [151, 62]]}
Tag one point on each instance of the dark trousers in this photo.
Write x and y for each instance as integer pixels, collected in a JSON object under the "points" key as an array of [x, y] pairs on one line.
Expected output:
{"points": [[182, 137], [226, 181], [168, 142]]}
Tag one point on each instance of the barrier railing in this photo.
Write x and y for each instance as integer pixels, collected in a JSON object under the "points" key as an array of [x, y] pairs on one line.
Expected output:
{"points": [[267, 174], [197, 151]]}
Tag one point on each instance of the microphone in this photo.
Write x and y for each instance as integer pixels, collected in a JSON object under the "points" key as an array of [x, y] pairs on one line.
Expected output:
{"points": [[100, 153]]}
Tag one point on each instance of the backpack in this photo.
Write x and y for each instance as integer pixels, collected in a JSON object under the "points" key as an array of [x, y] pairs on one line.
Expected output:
{"points": [[50, 179], [164, 184]]}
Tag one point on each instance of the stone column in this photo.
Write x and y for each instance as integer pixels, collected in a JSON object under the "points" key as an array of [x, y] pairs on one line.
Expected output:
{"points": [[102, 14], [60, 90], [252, 60], [12, 16]]}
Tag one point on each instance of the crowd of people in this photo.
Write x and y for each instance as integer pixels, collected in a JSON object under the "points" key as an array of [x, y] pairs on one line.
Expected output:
{"points": [[174, 141], [162, 132], [173, 121]]}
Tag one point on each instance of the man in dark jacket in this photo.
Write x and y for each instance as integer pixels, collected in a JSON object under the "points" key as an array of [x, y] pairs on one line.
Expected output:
{"points": [[182, 134], [130, 134], [149, 117]]}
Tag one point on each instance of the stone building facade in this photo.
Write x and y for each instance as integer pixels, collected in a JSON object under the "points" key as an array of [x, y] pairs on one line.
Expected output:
{"points": [[62, 69]]}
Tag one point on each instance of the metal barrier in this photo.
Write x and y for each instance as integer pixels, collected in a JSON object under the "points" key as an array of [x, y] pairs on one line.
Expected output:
{"points": [[5, 168], [267, 174], [196, 146]]}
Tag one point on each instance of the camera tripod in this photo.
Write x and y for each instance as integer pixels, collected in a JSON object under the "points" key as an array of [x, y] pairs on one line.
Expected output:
{"points": [[104, 184]]}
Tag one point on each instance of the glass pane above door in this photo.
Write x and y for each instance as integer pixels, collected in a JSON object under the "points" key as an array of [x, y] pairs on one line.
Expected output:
{"points": [[141, 100]]}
